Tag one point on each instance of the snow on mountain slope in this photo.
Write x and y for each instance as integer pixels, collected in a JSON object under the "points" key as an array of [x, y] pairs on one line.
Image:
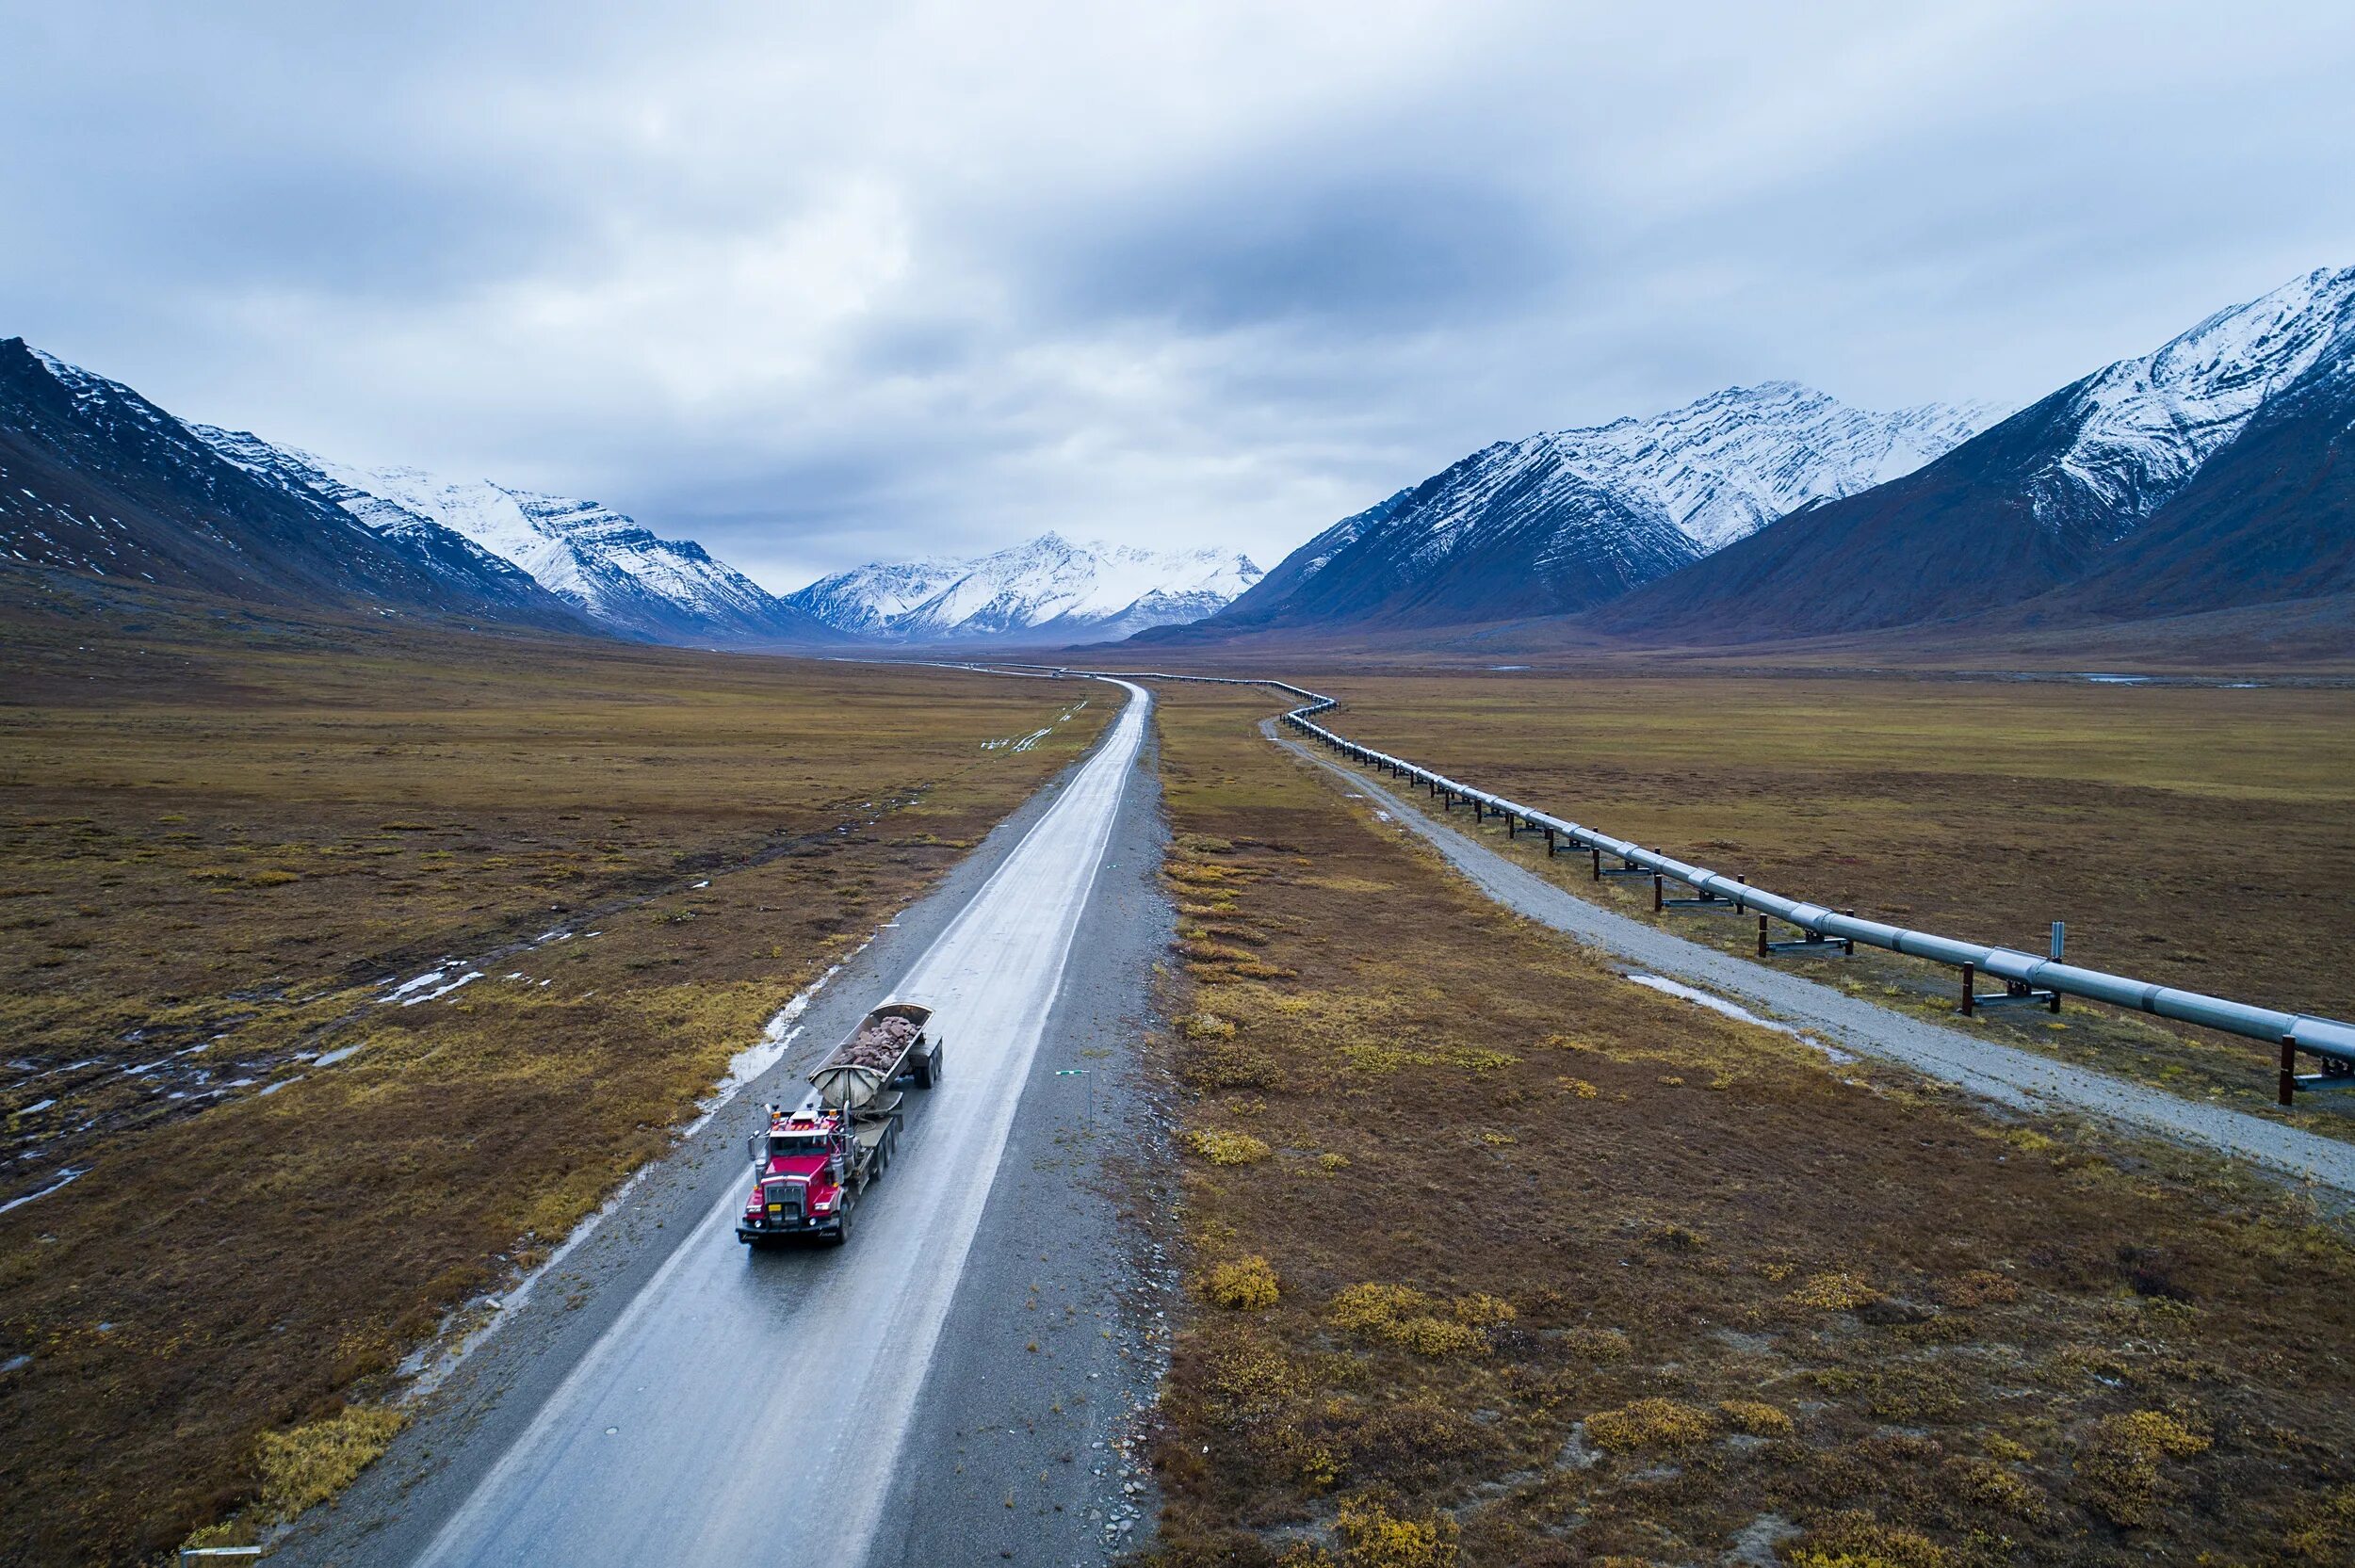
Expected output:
{"points": [[866, 600], [100, 480], [2145, 426], [1730, 463], [2081, 486], [615, 570], [1048, 588], [1570, 519]]}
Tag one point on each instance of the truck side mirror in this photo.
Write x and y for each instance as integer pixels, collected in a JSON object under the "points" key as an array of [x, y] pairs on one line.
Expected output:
{"points": [[755, 1150]]}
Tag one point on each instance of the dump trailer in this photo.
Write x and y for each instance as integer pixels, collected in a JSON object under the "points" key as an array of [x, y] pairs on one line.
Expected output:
{"points": [[811, 1162]]}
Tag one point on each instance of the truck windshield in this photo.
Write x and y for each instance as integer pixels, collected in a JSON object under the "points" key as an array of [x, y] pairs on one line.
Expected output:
{"points": [[795, 1147]]}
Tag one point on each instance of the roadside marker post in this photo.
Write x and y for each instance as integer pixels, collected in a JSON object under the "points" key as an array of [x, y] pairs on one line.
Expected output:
{"points": [[1082, 1072]]}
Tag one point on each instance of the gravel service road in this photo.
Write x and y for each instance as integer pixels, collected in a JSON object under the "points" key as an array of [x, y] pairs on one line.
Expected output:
{"points": [[2000, 1072], [670, 1397]]}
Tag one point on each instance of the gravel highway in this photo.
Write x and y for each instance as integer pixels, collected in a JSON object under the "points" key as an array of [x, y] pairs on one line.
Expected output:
{"points": [[755, 1409], [2000, 1072]]}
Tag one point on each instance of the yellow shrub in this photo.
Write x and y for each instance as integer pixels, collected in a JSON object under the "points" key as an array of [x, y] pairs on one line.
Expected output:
{"points": [[1437, 1336], [1407, 1317], [1482, 1310], [1221, 1146], [1206, 1026], [1373, 1537], [1859, 1541], [1333, 1162], [1371, 1306], [1650, 1424], [309, 1465], [1578, 1087], [1835, 1293], [1756, 1417], [1244, 1285], [1986, 1482], [2120, 1463]]}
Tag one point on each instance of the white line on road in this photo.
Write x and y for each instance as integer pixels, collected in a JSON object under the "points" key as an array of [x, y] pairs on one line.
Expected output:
{"points": [[752, 1409]]}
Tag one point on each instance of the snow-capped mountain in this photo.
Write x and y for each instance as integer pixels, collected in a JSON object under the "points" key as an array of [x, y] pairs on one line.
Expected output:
{"points": [[1047, 589], [2104, 482], [615, 572], [866, 601], [100, 481], [2143, 426], [1570, 519]]}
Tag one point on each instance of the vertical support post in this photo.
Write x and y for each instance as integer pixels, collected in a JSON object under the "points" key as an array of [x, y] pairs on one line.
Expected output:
{"points": [[1761, 936], [1479, 812], [1512, 826], [1659, 895], [1969, 988], [1548, 844], [1597, 863], [1739, 907], [2289, 1072]]}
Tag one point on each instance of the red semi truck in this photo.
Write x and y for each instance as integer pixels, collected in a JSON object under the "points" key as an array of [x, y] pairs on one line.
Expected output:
{"points": [[812, 1163]]}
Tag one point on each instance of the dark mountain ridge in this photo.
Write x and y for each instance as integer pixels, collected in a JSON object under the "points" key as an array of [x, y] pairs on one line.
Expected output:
{"points": [[95, 478]]}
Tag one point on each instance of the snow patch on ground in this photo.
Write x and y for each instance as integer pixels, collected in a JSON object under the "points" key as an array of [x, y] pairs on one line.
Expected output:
{"points": [[470, 975], [1734, 1010], [65, 1178]]}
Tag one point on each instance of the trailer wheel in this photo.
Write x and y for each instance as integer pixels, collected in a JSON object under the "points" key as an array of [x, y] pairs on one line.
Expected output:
{"points": [[934, 1062]]}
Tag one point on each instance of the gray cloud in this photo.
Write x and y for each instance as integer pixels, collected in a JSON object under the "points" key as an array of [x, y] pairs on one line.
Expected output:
{"points": [[817, 284]]}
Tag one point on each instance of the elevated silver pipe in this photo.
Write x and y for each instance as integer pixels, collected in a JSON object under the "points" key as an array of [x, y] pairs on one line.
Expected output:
{"points": [[2331, 1039]]}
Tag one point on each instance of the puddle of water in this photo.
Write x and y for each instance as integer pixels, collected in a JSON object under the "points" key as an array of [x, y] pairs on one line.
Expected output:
{"points": [[1735, 1012]]}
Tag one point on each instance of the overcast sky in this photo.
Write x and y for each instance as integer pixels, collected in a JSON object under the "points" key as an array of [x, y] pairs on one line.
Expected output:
{"points": [[819, 283]]}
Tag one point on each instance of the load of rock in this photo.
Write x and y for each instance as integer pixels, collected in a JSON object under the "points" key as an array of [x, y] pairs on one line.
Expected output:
{"points": [[879, 1044]]}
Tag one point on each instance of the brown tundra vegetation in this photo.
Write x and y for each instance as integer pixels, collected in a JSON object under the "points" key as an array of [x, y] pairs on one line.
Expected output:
{"points": [[1498, 1259]]}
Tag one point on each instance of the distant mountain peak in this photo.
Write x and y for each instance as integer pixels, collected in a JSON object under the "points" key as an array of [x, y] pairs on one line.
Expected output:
{"points": [[1049, 588], [2145, 425]]}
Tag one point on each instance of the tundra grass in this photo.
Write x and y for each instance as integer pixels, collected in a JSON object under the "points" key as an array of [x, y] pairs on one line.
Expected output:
{"points": [[1500, 1259], [226, 847], [2198, 837]]}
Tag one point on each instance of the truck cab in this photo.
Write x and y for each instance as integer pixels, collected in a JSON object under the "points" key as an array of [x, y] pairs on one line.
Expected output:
{"points": [[799, 1170]]}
